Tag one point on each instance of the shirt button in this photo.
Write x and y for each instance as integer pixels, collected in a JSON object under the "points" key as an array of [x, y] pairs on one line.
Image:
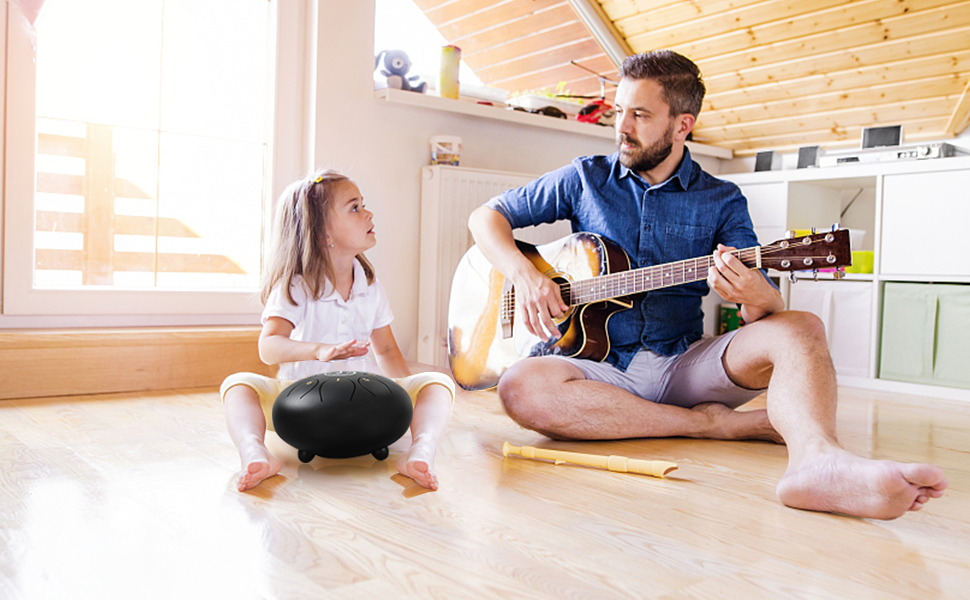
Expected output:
{"points": [[646, 227]]}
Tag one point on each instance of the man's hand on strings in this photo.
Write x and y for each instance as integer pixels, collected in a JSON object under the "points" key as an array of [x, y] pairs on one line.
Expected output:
{"points": [[539, 302], [735, 282]]}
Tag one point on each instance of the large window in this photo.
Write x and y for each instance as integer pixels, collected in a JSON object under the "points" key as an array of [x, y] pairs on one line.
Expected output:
{"points": [[138, 156]]}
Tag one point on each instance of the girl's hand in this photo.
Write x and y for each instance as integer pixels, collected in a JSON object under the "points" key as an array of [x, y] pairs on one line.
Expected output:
{"points": [[351, 349]]}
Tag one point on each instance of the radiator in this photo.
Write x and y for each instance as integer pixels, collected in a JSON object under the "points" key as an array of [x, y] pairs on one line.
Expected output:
{"points": [[448, 196]]}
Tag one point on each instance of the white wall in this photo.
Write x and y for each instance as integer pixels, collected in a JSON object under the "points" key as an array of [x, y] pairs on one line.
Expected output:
{"points": [[383, 146]]}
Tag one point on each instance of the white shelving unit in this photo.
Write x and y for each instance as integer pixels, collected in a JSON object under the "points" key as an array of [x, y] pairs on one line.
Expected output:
{"points": [[915, 214], [470, 108]]}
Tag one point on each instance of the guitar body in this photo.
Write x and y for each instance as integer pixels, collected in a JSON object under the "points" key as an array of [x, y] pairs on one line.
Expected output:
{"points": [[486, 335]]}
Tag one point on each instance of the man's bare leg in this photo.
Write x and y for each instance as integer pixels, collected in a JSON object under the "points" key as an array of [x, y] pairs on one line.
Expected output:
{"points": [[247, 428], [787, 352], [553, 397]]}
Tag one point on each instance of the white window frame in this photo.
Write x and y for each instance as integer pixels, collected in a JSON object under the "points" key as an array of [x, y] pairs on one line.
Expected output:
{"points": [[294, 24]]}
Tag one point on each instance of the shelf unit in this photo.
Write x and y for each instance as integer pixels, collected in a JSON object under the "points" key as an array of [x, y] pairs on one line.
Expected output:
{"points": [[472, 108], [914, 213]]}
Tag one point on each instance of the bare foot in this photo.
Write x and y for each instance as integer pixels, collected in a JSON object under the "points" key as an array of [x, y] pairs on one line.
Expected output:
{"points": [[418, 464], [258, 464], [729, 424], [838, 481]]}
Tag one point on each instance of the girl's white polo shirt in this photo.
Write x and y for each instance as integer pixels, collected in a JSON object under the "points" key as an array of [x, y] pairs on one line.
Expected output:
{"points": [[331, 320]]}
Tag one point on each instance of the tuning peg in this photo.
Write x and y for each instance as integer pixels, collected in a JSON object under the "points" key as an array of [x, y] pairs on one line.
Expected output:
{"points": [[836, 226], [839, 274], [815, 274], [813, 231], [791, 277], [790, 234]]}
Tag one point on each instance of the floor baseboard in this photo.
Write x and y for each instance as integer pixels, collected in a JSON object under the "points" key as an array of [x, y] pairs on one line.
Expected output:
{"points": [[40, 363]]}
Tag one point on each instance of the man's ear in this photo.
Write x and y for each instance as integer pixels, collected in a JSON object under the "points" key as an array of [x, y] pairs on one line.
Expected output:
{"points": [[685, 123]]}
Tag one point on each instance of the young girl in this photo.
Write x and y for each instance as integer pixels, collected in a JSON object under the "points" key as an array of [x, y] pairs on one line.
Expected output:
{"points": [[325, 311]]}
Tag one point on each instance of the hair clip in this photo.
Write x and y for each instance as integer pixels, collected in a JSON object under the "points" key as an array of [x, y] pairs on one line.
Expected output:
{"points": [[318, 179]]}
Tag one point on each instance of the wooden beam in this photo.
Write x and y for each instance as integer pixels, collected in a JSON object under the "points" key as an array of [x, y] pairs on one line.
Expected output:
{"points": [[618, 10], [847, 40], [601, 27], [656, 15], [497, 74], [515, 29], [961, 114], [532, 45], [656, 34], [856, 77], [862, 116], [935, 44], [455, 21], [549, 78], [762, 25], [818, 106]]}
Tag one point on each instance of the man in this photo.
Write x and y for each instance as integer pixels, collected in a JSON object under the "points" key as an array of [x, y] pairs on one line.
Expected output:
{"points": [[661, 378]]}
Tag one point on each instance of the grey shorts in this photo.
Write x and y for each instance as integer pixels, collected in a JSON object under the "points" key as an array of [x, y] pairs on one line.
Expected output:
{"points": [[686, 379]]}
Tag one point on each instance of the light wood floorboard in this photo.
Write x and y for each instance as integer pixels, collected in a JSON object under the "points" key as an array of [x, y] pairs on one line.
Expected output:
{"points": [[131, 496]]}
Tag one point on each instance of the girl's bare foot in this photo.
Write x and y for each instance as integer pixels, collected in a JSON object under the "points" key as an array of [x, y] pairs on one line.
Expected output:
{"points": [[730, 424], [418, 463], [258, 463], [838, 481]]}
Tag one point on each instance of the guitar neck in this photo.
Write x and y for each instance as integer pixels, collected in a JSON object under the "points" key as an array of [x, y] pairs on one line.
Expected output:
{"points": [[626, 283]]}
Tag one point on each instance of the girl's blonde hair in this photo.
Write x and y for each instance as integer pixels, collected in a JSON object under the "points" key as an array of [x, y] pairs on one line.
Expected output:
{"points": [[300, 237]]}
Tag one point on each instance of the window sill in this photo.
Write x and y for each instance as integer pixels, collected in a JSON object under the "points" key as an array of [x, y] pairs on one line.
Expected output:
{"points": [[523, 118]]}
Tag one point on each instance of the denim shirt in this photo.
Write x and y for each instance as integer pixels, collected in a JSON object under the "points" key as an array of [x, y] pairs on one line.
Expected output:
{"points": [[681, 218]]}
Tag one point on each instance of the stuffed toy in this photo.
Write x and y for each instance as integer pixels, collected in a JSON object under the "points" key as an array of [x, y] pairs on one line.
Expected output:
{"points": [[396, 67]]}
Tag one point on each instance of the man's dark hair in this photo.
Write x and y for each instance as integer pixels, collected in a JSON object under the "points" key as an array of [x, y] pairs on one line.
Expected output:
{"points": [[678, 75]]}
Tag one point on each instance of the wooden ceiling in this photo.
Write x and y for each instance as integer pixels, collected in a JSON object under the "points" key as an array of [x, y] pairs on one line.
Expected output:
{"points": [[780, 74]]}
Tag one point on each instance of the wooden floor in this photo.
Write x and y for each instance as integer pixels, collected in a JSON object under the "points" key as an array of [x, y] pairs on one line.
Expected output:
{"points": [[131, 496]]}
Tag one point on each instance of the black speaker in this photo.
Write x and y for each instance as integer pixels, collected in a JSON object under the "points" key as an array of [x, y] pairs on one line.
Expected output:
{"points": [[874, 137], [767, 161], [808, 156]]}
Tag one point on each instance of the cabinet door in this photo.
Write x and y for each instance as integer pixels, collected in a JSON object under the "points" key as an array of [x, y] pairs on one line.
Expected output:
{"points": [[924, 222], [924, 328], [768, 207], [845, 308], [952, 364]]}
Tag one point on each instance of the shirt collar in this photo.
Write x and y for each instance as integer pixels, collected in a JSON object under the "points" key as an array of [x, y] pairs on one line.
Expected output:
{"points": [[682, 174], [359, 287]]}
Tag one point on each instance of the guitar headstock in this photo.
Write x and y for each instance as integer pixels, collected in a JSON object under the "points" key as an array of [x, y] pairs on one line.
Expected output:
{"points": [[824, 250]]}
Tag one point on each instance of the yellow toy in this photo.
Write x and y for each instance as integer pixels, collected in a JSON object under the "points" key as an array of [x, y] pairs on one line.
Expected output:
{"points": [[620, 464]]}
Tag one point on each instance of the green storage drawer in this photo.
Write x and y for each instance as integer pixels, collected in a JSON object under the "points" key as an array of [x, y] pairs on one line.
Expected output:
{"points": [[926, 334]]}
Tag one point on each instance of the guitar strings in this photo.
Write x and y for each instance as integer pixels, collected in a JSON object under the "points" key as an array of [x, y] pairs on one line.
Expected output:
{"points": [[581, 289]]}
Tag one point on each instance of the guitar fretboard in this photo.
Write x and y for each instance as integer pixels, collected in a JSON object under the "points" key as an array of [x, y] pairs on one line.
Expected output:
{"points": [[625, 283]]}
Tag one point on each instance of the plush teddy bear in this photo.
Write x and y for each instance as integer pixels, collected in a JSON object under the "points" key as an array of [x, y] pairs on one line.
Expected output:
{"points": [[396, 67]]}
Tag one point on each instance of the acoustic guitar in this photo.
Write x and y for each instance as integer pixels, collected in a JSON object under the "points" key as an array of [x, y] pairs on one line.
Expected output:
{"points": [[487, 333]]}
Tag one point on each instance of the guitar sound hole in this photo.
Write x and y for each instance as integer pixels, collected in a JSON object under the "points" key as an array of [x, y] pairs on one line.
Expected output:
{"points": [[564, 289]]}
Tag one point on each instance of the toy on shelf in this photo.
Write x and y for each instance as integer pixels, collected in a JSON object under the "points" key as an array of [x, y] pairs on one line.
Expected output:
{"points": [[619, 464], [342, 414], [599, 111], [396, 67]]}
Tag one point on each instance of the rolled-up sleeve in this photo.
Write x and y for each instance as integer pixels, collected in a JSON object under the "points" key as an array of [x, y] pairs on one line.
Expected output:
{"points": [[545, 200]]}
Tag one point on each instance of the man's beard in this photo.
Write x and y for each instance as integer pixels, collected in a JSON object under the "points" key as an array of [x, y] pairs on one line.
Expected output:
{"points": [[641, 160]]}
